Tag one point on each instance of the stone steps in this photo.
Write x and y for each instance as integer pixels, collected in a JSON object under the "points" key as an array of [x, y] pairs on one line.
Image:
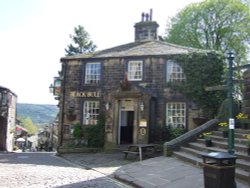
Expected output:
{"points": [[239, 173], [241, 162], [193, 151], [224, 145], [222, 139]]}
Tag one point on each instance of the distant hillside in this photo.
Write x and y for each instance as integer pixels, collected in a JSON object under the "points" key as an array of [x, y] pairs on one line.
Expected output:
{"points": [[38, 113]]}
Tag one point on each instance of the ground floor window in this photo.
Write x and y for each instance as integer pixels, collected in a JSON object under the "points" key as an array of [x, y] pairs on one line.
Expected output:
{"points": [[175, 114], [90, 112]]}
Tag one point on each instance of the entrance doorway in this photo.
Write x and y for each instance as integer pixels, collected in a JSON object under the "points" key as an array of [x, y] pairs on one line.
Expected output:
{"points": [[126, 127]]}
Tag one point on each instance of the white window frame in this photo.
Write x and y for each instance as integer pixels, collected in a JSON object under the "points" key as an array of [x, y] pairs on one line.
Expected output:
{"points": [[92, 73], [174, 72], [91, 111], [135, 70], [176, 114]]}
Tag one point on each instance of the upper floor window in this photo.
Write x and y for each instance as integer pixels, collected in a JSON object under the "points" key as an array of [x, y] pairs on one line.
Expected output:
{"points": [[90, 112], [135, 70], [174, 72], [92, 73], [176, 113]]}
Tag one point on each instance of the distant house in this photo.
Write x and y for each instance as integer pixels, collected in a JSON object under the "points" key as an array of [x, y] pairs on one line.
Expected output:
{"points": [[8, 101], [128, 84], [48, 137]]}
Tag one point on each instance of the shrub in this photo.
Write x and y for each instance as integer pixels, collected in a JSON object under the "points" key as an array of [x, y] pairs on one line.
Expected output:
{"points": [[95, 133], [77, 132], [159, 134], [162, 134], [175, 132]]}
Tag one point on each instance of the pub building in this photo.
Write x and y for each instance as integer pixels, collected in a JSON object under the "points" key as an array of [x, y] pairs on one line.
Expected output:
{"points": [[129, 85]]}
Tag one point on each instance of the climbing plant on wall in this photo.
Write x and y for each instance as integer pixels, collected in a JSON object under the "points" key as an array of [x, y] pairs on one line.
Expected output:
{"points": [[202, 70]]}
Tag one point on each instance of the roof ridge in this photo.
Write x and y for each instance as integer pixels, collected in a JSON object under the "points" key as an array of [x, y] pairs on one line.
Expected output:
{"points": [[140, 48]]}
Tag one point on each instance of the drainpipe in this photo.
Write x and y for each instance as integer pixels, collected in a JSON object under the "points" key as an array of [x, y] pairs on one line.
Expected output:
{"points": [[62, 100]]}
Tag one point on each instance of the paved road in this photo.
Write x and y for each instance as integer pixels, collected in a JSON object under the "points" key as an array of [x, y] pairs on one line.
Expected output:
{"points": [[35, 170]]}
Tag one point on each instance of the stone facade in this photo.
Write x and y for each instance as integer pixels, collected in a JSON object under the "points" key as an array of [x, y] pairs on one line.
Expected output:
{"points": [[7, 119], [132, 107]]}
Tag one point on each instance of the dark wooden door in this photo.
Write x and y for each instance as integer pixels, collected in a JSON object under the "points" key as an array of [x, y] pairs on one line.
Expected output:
{"points": [[127, 121]]}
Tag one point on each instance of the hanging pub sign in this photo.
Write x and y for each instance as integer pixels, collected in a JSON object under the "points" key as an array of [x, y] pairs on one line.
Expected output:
{"points": [[86, 94], [57, 86]]}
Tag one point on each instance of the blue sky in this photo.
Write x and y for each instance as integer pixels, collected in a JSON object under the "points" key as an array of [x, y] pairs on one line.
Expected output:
{"points": [[34, 33]]}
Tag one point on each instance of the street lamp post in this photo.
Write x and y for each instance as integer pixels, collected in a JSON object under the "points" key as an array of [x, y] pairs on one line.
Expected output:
{"points": [[231, 148], [229, 88]]}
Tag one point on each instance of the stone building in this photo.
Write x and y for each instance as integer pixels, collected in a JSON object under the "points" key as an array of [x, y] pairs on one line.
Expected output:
{"points": [[7, 119], [129, 85]]}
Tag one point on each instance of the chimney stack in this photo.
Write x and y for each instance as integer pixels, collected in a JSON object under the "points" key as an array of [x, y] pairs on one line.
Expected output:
{"points": [[146, 30]]}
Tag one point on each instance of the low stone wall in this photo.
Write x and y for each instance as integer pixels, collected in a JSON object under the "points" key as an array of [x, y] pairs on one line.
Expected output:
{"points": [[176, 143]]}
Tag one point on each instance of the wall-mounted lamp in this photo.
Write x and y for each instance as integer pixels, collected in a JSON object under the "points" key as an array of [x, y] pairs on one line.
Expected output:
{"points": [[142, 106], [108, 105], [51, 88]]}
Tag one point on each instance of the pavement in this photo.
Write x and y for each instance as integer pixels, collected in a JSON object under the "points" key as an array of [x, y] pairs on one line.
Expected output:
{"points": [[160, 172], [46, 170]]}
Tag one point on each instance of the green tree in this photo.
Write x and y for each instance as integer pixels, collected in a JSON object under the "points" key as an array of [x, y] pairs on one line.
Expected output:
{"points": [[82, 42], [220, 25], [28, 124]]}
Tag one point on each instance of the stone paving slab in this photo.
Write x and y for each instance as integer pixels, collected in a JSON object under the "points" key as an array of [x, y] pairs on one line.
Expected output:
{"points": [[45, 170], [106, 163], [160, 172]]}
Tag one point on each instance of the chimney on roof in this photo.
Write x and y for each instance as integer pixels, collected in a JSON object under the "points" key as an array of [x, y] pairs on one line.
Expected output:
{"points": [[146, 29]]}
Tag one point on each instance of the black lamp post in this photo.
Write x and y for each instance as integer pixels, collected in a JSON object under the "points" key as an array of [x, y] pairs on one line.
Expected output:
{"points": [[231, 148]]}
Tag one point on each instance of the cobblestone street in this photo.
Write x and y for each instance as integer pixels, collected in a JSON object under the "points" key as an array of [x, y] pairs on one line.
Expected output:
{"points": [[41, 170]]}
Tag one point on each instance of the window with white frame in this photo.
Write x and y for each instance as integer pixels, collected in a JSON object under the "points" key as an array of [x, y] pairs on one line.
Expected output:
{"points": [[135, 70], [176, 114], [90, 112], [174, 72], [92, 73]]}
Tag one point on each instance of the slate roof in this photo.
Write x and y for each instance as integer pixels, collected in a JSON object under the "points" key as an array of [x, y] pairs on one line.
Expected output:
{"points": [[7, 89], [145, 48]]}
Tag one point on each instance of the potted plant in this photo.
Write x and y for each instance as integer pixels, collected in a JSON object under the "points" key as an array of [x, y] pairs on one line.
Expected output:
{"points": [[223, 126], [247, 142], [208, 140], [242, 120]]}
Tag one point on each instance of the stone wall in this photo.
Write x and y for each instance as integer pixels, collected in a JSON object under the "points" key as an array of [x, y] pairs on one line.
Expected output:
{"points": [[113, 72]]}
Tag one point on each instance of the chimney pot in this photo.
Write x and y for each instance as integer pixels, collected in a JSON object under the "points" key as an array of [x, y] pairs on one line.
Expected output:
{"points": [[146, 30]]}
